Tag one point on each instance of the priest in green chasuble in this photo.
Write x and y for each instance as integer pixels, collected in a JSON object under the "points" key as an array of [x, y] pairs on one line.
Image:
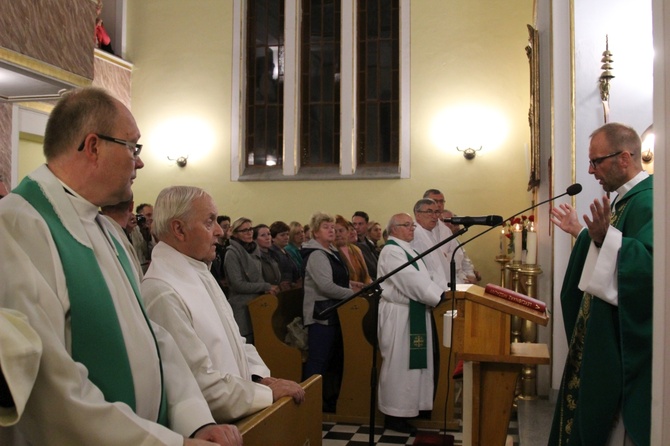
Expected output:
{"points": [[607, 302]]}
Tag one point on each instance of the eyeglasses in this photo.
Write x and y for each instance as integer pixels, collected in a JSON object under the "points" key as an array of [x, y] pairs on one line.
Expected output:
{"points": [[428, 211], [596, 161], [244, 230], [406, 225], [134, 147]]}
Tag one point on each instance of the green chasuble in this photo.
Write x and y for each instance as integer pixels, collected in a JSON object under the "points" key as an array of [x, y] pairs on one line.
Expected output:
{"points": [[418, 341], [97, 340], [608, 368]]}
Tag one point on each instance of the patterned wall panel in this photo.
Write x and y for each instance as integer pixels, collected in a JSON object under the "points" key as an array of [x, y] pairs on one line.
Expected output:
{"points": [[113, 74], [58, 32], [6, 142]]}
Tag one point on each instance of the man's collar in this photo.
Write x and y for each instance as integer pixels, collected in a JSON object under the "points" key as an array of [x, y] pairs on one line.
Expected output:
{"points": [[623, 190]]}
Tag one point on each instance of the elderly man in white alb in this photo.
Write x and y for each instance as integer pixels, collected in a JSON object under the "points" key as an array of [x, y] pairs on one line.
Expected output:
{"points": [[184, 298], [107, 375], [405, 336]]}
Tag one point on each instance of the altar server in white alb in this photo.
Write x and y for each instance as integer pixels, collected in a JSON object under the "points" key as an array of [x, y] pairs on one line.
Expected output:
{"points": [[107, 376], [183, 297], [405, 336]]}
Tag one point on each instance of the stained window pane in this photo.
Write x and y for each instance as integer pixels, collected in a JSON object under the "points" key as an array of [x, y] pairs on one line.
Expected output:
{"points": [[320, 82], [265, 86]]}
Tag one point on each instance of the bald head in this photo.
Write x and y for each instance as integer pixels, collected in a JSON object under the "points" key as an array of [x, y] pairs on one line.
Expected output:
{"points": [[401, 226]]}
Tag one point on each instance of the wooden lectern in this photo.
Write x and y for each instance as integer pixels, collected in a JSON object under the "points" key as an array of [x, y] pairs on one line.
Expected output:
{"points": [[481, 337]]}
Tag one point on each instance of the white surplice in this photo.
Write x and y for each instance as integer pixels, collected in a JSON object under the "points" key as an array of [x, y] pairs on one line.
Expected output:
{"points": [[183, 297], [19, 362], [65, 407], [403, 392]]}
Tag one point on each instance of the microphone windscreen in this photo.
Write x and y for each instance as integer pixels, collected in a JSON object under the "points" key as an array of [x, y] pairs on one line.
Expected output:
{"points": [[574, 189], [495, 220]]}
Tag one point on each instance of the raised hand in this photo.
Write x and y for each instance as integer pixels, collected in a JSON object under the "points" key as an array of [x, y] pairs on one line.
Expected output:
{"points": [[565, 217]]}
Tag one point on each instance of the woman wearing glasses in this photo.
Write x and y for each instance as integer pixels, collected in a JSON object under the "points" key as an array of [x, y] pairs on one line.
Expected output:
{"points": [[244, 271]]}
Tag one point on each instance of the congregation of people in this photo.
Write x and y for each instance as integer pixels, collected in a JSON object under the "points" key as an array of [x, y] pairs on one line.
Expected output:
{"points": [[130, 324]]}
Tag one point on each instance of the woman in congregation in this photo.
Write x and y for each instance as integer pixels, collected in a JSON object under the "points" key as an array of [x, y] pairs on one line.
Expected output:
{"points": [[326, 282], [351, 254], [291, 276], [375, 233], [296, 237], [269, 263], [244, 271]]}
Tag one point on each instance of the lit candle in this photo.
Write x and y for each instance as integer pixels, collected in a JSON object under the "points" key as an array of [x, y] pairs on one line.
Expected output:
{"points": [[531, 247], [503, 243], [517, 242]]}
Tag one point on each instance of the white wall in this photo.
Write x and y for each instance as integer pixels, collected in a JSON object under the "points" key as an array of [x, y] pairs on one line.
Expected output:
{"points": [[576, 108]]}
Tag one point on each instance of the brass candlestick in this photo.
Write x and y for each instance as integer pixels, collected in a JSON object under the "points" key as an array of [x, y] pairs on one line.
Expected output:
{"points": [[516, 321], [503, 261], [528, 275]]}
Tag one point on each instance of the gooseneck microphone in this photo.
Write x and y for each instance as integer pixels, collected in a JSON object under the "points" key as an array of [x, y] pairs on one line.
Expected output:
{"points": [[489, 220], [573, 189]]}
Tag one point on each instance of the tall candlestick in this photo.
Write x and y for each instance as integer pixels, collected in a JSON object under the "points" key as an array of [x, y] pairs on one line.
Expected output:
{"points": [[531, 247], [518, 235]]}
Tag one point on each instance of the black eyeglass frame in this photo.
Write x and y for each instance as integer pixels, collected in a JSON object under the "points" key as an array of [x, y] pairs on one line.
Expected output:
{"points": [[134, 147], [595, 162]]}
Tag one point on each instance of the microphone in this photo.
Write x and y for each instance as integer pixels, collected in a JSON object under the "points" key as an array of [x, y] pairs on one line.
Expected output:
{"points": [[489, 220], [573, 189]]}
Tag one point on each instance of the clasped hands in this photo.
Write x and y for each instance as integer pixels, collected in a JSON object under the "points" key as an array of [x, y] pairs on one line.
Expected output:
{"points": [[565, 217]]}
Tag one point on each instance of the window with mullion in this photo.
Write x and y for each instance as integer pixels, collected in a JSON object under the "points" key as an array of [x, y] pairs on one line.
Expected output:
{"points": [[378, 82], [320, 83], [264, 83]]}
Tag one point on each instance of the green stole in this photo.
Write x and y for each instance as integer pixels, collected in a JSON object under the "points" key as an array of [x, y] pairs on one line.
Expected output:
{"points": [[97, 340], [418, 350]]}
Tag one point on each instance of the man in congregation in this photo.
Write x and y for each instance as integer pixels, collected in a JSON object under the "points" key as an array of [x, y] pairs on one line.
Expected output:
{"points": [[119, 215], [107, 375], [426, 235], [183, 297], [406, 375], [443, 232], [360, 221], [607, 302], [463, 262]]}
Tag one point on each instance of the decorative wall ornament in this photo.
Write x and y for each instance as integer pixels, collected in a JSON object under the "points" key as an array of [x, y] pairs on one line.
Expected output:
{"points": [[533, 53], [605, 79]]}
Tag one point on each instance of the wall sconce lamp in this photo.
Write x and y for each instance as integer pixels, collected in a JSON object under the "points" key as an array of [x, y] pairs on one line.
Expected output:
{"points": [[469, 153], [648, 139], [181, 161]]}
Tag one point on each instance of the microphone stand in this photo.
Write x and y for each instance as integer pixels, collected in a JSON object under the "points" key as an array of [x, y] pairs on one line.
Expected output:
{"points": [[376, 292]]}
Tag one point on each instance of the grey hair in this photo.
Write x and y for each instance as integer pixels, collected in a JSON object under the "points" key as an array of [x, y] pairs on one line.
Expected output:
{"points": [[390, 227], [423, 202], [318, 219], [174, 202], [430, 192]]}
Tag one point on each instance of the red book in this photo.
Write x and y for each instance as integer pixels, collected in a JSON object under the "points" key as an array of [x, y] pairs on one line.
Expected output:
{"points": [[515, 297]]}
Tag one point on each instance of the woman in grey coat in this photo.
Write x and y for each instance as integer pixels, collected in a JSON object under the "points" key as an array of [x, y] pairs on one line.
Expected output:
{"points": [[245, 277]]}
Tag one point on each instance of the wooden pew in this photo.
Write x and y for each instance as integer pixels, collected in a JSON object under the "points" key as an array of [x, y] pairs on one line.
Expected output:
{"points": [[285, 422], [269, 317], [353, 404]]}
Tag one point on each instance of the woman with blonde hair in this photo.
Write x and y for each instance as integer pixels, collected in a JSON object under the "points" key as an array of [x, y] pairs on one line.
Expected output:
{"points": [[326, 283], [296, 237]]}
